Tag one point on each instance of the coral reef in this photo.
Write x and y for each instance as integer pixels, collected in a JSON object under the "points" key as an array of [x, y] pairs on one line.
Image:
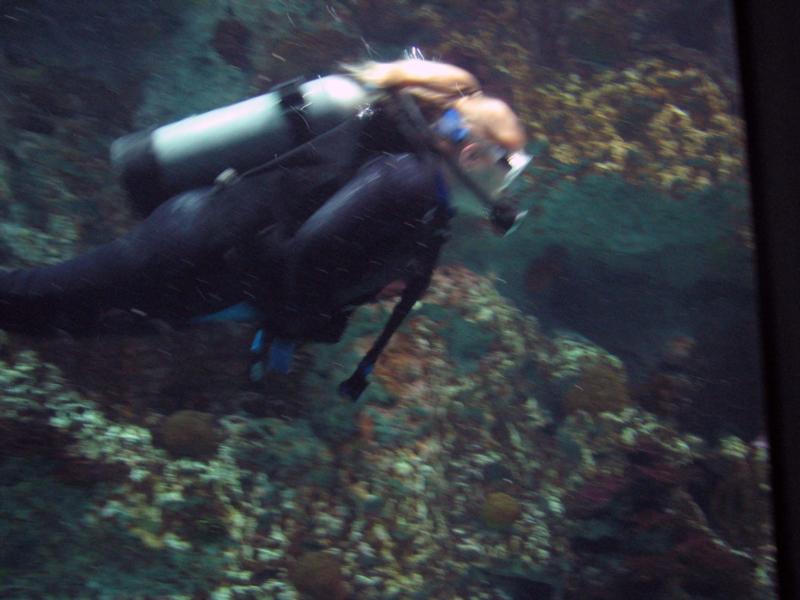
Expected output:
{"points": [[487, 458], [595, 494], [650, 122], [478, 469], [671, 386], [741, 488]]}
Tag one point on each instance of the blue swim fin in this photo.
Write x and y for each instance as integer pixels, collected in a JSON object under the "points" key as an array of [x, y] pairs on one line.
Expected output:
{"points": [[276, 358]]}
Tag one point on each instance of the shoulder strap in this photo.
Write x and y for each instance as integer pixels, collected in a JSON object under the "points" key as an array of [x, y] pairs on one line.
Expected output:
{"points": [[228, 177]]}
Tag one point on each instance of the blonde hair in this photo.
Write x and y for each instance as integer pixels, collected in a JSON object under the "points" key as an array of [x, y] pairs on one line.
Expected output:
{"points": [[441, 86]]}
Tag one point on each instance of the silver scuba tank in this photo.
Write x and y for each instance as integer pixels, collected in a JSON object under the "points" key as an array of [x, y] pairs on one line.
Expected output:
{"points": [[156, 164]]}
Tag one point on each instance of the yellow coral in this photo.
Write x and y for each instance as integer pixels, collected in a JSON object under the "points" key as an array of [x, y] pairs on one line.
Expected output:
{"points": [[564, 153], [678, 144]]}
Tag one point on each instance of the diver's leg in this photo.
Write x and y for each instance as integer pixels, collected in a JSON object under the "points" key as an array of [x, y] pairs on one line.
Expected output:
{"points": [[159, 268]]}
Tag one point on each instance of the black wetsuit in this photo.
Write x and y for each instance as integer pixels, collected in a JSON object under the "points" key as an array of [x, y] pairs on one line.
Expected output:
{"points": [[303, 244]]}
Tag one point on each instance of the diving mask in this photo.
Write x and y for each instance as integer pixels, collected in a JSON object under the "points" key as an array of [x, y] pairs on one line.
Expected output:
{"points": [[502, 167], [512, 163], [491, 170]]}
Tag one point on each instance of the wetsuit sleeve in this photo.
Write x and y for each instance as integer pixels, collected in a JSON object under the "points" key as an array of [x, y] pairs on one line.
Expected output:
{"points": [[158, 269], [361, 239]]}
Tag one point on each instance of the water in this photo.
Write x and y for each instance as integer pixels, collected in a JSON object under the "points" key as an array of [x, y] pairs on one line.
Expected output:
{"points": [[573, 411]]}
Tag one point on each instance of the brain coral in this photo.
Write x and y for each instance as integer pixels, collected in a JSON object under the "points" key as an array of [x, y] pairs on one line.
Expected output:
{"points": [[601, 387], [500, 510], [319, 575], [189, 434]]}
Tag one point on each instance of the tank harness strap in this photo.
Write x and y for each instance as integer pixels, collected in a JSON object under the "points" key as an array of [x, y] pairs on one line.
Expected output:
{"points": [[293, 104], [287, 157]]}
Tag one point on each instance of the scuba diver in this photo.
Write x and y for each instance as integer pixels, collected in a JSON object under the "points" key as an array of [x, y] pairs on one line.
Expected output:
{"points": [[290, 209]]}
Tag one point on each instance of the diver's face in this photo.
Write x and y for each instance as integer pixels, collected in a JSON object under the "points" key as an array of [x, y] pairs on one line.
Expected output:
{"points": [[482, 172]]}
